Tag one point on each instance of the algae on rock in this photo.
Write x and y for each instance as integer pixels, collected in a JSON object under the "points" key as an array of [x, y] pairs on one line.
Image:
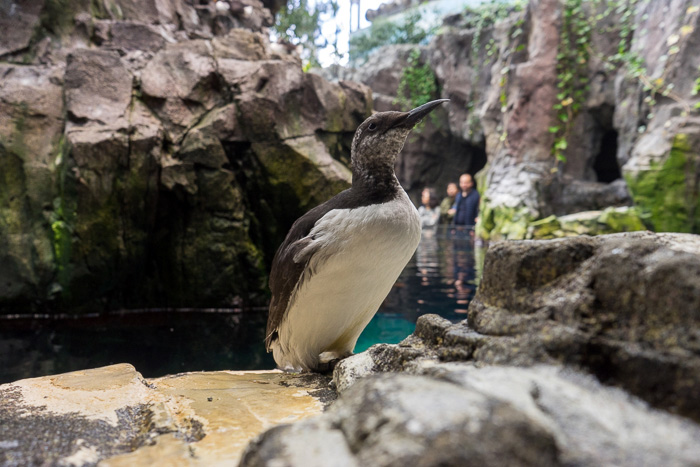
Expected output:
{"points": [[670, 191]]}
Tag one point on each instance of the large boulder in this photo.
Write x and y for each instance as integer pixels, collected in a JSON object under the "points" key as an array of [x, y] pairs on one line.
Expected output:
{"points": [[114, 416], [31, 135]]}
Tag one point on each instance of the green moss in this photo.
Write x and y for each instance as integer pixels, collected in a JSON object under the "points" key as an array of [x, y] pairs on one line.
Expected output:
{"points": [[544, 228], [501, 222], [418, 84], [62, 221], [57, 16], [12, 189], [668, 193], [622, 219], [510, 223]]}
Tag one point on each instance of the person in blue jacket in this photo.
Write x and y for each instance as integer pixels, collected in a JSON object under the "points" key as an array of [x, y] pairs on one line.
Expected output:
{"points": [[466, 207]]}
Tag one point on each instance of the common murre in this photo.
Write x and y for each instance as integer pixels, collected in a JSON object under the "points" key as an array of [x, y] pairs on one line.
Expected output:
{"points": [[340, 259]]}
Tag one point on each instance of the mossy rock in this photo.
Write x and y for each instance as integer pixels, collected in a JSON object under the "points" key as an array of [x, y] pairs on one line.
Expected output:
{"points": [[624, 219], [544, 228], [668, 192], [510, 223], [501, 222]]}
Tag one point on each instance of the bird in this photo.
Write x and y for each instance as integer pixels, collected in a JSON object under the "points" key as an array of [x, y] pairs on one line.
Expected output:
{"points": [[339, 261]]}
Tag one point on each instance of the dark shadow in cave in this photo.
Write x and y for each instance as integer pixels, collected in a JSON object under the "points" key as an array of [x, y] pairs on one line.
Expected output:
{"points": [[478, 159], [605, 163]]}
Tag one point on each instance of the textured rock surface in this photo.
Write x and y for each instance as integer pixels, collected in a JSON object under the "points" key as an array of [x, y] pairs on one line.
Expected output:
{"points": [[436, 154], [623, 307], [635, 125], [458, 414], [580, 351], [114, 416], [155, 153]]}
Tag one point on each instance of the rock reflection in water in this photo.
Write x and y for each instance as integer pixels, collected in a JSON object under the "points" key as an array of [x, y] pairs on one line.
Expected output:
{"points": [[156, 342], [441, 278]]}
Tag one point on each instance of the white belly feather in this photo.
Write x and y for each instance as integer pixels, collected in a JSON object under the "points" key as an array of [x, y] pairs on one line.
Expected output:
{"points": [[359, 255]]}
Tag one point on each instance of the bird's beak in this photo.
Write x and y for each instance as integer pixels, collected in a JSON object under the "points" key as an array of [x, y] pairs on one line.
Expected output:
{"points": [[411, 118]]}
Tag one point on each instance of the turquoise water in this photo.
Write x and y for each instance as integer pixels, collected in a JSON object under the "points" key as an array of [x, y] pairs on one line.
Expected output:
{"points": [[440, 278]]}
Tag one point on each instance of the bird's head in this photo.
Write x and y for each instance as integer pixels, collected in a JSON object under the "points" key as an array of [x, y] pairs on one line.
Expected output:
{"points": [[380, 138]]}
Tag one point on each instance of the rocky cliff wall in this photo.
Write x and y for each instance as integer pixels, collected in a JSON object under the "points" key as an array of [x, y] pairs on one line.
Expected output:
{"points": [[154, 153], [573, 106]]}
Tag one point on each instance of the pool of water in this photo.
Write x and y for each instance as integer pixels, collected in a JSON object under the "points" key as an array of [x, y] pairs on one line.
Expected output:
{"points": [[441, 278]]}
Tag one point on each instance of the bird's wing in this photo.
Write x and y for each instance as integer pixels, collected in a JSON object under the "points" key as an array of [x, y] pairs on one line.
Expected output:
{"points": [[291, 261], [297, 250]]}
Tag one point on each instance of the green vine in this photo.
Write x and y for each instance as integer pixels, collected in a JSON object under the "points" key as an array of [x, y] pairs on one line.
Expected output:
{"points": [[572, 72], [63, 218], [575, 52], [514, 37], [417, 85], [479, 18], [503, 98], [696, 89]]}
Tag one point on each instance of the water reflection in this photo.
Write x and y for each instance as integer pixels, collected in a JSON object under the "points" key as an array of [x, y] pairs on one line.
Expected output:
{"points": [[441, 278], [156, 342]]}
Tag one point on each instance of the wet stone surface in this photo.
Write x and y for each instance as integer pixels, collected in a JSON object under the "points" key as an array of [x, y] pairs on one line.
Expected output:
{"points": [[114, 416]]}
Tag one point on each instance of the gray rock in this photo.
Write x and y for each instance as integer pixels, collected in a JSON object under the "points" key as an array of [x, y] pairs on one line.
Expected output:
{"points": [[313, 445], [97, 86], [459, 414], [394, 420], [18, 21], [623, 307], [576, 196], [240, 44], [182, 80], [126, 36], [202, 148]]}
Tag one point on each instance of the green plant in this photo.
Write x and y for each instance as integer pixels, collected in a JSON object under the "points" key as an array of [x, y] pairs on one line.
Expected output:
{"points": [[63, 219], [299, 22], [479, 18], [696, 89], [385, 32], [418, 84], [572, 72], [654, 86]]}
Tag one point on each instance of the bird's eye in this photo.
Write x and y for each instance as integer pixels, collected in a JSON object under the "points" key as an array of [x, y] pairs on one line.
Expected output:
{"points": [[372, 126]]}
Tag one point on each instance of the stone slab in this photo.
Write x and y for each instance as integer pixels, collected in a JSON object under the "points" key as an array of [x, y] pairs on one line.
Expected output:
{"points": [[115, 416]]}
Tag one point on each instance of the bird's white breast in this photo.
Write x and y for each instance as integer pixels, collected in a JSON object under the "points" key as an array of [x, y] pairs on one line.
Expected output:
{"points": [[357, 256]]}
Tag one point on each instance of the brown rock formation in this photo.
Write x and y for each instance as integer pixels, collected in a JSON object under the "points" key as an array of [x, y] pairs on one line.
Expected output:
{"points": [[154, 153], [627, 137]]}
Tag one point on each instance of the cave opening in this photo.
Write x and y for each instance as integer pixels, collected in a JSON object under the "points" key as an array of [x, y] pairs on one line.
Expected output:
{"points": [[605, 164], [478, 159]]}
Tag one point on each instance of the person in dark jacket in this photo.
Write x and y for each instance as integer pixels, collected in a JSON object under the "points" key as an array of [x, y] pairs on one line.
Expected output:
{"points": [[466, 207]]}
